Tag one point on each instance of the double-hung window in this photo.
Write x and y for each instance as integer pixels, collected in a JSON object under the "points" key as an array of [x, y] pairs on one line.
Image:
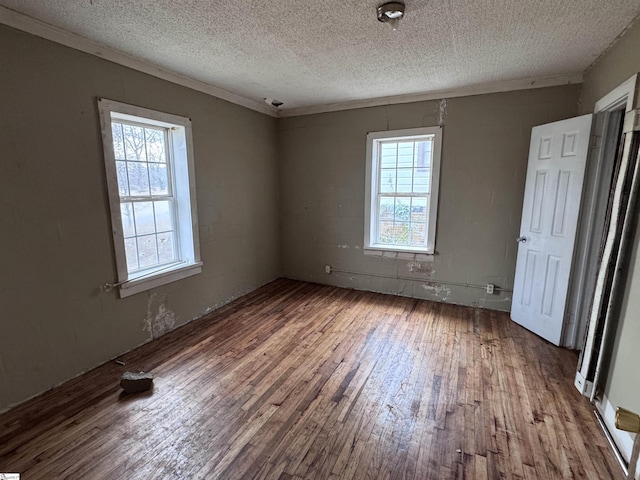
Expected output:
{"points": [[403, 170], [150, 179]]}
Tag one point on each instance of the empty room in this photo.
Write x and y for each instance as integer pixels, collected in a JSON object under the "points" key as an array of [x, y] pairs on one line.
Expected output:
{"points": [[319, 240]]}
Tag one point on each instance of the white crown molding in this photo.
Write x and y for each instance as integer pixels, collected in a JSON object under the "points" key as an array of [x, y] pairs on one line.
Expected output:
{"points": [[507, 86], [55, 34]]}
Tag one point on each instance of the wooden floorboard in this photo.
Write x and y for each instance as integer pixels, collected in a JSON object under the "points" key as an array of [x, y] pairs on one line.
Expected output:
{"points": [[303, 381]]}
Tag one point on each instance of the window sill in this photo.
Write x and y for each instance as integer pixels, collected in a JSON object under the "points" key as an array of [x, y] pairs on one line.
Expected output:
{"points": [[161, 278], [398, 252]]}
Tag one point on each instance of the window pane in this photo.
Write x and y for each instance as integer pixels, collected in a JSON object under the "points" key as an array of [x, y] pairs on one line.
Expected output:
{"points": [[401, 233], [128, 226], [123, 184], [118, 141], [385, 233], [166, 252], [405, 180], [419, 210], [138, 179], [403, 206], [421, 178], [386, 208], [423, 154], [145, 222], [388, 154], [147, 253], [131, 252], [405, 155], [418, 232], [134, 143], [158, 179], [388, 181], [155, 145], [164, 221]]}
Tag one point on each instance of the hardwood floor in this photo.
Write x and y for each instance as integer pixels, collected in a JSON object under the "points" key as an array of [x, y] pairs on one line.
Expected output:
{"points": [[306, 381]]}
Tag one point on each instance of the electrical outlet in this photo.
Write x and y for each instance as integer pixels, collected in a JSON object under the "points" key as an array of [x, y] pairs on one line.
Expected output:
{"points": [[327, 269], [490, 287]]}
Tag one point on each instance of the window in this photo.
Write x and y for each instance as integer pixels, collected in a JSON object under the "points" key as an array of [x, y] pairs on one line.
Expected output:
{"points": [[150, 179], [403, 170]]}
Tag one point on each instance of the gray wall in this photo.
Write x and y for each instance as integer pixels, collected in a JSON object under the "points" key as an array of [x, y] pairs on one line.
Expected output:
{"points": [[614, 67], [56, 246], [622, 386], [484, 159]]}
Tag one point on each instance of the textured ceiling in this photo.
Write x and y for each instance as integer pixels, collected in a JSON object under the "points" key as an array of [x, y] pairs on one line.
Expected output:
{"points": [[331, 51]]}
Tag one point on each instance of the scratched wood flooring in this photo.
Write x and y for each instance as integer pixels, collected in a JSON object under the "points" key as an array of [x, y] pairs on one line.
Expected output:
{"points": [[302, 381]]}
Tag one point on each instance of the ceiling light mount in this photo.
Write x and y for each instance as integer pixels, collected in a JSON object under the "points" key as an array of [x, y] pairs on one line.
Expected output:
{"points": [[273, 102], [391, 13]]}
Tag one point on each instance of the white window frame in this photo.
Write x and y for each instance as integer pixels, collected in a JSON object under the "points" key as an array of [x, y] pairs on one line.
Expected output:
{"points": [[372, 184], [182, 179]]}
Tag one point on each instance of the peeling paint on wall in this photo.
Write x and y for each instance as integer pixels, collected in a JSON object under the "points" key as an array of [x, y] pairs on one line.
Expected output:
{"points": [[442, 110], [419, 267], [160, 318], [503, 299], [441, 291]]}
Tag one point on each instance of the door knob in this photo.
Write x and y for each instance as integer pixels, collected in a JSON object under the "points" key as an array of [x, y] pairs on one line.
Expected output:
{"points": [[521, 239]]}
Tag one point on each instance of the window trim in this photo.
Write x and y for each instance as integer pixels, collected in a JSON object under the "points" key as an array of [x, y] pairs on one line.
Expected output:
{"points": [[181, 145], [371, 187]]}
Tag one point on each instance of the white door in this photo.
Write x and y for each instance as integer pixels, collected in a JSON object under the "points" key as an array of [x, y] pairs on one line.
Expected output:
{"points": [[557, 160]]}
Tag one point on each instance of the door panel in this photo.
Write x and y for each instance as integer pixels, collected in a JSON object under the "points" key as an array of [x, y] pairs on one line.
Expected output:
{"points": [[557, 159]]}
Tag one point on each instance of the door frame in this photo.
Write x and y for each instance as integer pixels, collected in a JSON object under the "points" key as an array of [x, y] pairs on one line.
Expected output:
{"points": [[578, 303], [598, 311]]}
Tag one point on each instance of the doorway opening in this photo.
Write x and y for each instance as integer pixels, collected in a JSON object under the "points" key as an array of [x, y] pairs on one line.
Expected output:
{"points": [[599, 279]]}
